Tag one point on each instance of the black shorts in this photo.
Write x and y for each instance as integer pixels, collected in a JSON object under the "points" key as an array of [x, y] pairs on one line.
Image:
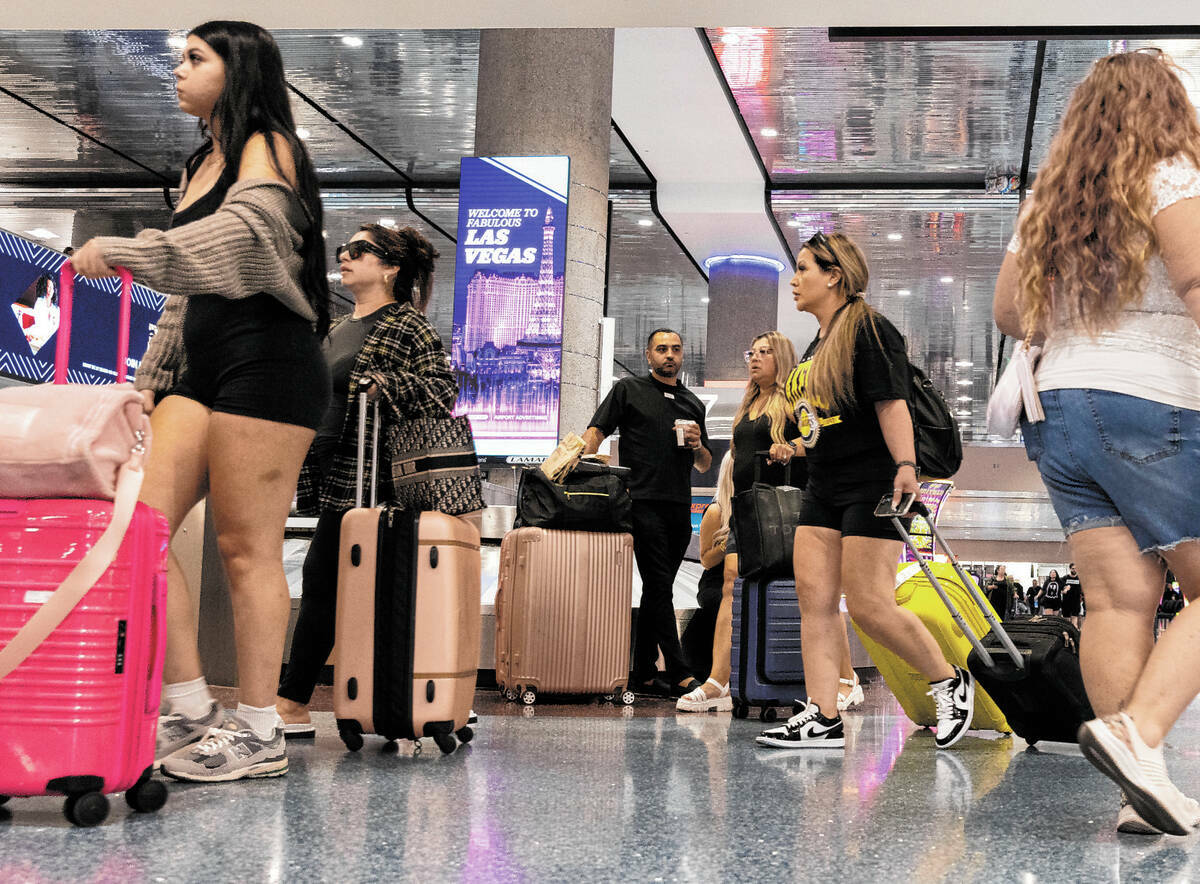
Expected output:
{"points": [[256, 358], [850, 511]]}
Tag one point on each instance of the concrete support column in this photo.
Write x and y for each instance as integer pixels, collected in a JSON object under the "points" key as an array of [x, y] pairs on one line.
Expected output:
{"points": [[742, 302], [548, 92]]}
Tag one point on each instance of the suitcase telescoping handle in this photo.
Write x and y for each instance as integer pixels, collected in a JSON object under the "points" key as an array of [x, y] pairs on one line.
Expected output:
{"points": [[362, 450], [921, 510], [66, 299]]}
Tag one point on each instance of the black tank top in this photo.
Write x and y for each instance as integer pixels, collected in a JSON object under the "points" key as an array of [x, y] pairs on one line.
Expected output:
{"points": [[203, 207]]}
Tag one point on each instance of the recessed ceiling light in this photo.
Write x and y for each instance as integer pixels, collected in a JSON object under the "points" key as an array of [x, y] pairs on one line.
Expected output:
{"points": [[644, 222], [768, 132], [303, 134], [178, 41], [794, 223], [729, 38], [352, 42], [947, 279], [387, 222], [895, 236], [904, 293], [42, 233], [964, 412], [964, 383], [964, 398], [964, 363]]}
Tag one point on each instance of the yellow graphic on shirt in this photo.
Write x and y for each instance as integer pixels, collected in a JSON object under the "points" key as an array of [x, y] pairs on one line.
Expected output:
{"points": [[805, 409]]}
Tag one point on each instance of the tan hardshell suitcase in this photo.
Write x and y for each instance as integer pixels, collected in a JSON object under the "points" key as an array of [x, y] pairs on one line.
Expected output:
{"points": [[563, 614], [407, 628]]}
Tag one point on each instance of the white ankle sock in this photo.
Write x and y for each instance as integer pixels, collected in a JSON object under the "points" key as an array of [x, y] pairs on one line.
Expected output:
{"points": [[190, 698], [261, 719]]}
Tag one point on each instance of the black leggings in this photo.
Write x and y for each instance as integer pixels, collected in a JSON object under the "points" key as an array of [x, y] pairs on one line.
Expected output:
{"points": [[312, 640]]}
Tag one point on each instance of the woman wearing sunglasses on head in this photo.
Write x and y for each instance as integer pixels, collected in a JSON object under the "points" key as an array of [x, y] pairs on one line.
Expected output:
{"points": [[851, 390], [236, 362], [387, 347]]}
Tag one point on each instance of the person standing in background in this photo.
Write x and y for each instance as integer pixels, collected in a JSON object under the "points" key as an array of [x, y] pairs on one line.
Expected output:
{"points": [[663, 437]]}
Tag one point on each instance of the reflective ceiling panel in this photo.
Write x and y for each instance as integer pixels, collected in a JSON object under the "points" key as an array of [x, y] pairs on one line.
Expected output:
{"points": [[623, 169], [1067, 63], [652, 283], [933, 258], [875, 108]]}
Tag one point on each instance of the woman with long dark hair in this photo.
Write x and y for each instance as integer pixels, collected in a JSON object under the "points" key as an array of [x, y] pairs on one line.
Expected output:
{"points": [[1106, 271], [851, 390], [241, 385], [387, 347]]}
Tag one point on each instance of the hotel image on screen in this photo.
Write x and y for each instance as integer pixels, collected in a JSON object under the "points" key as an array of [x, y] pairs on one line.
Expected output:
{"points": [[508, 295]]}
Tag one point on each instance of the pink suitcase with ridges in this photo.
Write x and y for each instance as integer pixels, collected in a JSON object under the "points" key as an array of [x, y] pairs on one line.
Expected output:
{"points": [[79, 715]]}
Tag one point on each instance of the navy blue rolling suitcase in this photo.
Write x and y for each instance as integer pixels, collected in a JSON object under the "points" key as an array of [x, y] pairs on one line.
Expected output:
{"points": [[767, 670]]}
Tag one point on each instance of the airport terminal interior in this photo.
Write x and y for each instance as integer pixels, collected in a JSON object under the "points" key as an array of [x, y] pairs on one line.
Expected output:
{"points": [[726, 145]]}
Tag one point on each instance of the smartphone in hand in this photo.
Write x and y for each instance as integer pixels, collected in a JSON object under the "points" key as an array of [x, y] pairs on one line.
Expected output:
{"points": [[885, 510]]}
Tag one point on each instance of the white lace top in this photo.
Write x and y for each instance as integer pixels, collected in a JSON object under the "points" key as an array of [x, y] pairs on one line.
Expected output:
{"points": [[1154, 350]]}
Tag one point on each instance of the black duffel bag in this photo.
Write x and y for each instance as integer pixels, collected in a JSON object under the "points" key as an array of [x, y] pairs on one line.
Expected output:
{"points": [[765, 521], [586, 500]]}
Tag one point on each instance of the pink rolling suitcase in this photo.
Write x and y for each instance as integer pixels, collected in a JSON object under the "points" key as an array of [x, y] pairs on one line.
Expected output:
{"points": [[81, 656], [407, 650]]}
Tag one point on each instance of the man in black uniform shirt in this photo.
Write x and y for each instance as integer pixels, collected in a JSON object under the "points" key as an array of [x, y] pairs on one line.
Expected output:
{"points": [[645, 410]]}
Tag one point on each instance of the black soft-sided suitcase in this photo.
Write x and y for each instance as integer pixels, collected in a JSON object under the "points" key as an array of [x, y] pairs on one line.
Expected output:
{"points": [[1029, 667], [1045, 699]]}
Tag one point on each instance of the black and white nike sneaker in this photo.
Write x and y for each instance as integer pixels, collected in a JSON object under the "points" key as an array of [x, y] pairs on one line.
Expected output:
{"points": [[807, 730], [955, 701]]}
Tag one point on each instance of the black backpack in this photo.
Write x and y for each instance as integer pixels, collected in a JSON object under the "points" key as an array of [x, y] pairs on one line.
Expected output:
{"points": [[935, 431]]}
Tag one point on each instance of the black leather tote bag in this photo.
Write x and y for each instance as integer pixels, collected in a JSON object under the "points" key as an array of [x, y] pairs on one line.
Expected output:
{"points": [[765, 521]]}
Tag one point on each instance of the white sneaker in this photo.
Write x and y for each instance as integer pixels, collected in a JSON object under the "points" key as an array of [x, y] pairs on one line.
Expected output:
{"points": [[854, 697], [808, 729], [955, 702], [698, 701], [1130, 821], [1116, 748]]}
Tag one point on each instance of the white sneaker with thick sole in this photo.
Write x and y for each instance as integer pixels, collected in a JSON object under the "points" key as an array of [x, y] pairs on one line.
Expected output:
{"points": [[955, 702], [1130, 821], [698, 701], [1116, 748]]}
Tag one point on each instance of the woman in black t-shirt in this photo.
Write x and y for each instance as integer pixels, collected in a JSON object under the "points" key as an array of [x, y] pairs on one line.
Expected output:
{"points": [[763, 423], [850, 392], [1052, 594]]}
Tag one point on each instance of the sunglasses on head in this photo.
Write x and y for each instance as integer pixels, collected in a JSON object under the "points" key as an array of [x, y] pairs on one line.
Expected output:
{"points": [[818, 239], [357, 248]]}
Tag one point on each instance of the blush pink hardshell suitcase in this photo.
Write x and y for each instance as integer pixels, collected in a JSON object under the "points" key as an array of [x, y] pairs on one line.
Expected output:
{"points": [[78, 716], [563, 614], [406, 654]]}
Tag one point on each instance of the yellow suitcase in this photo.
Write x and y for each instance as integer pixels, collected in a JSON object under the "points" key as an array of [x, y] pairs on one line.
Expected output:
{"points": [[914, 592]]}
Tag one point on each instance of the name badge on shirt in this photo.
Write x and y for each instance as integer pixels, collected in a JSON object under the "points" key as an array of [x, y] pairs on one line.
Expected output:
{"points": [[668, 395]]}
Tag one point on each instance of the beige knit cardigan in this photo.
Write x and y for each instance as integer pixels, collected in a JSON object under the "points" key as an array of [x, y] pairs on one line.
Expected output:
{"points": [[250, 244]]}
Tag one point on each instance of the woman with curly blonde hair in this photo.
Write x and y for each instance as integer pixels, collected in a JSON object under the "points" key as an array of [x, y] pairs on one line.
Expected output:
{"points": [[1105, 269]]}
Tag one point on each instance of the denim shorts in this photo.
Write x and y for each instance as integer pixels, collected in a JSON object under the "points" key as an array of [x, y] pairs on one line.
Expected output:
{"points": [[1109, 459]]}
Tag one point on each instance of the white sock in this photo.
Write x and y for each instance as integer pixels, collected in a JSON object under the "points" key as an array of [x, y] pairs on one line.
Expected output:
{"points": [[261, 719], [190, 698]]}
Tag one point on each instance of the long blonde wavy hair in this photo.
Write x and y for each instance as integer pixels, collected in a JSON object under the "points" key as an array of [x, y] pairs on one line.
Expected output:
{"points": [[831, 376], [1087, 237], [777, 405], [724, 498]]}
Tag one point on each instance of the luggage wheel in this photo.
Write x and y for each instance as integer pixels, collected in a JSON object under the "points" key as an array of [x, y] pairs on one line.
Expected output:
{"points": [[740, 709], [529, 696], [445, 742], [509, 694], [624, 698], [768, 713], [351, 733], [86, 809], [146, 796], [464, 734]]}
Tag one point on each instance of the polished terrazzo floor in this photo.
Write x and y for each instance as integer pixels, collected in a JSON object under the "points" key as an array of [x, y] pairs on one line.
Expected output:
{"points": [[584, 792]]}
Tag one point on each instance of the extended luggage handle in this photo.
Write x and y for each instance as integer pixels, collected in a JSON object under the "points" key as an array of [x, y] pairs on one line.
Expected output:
{"points": [[66, 300], [921, 510], [362, 448]]}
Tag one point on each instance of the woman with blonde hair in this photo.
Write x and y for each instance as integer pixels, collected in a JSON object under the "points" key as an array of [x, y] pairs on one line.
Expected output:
{"points": [[763, 423], [850, 392], [1105, 269]]}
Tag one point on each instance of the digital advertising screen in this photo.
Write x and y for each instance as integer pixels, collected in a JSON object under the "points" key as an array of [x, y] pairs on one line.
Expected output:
{"points": [[506, 345], [29, 315]]}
